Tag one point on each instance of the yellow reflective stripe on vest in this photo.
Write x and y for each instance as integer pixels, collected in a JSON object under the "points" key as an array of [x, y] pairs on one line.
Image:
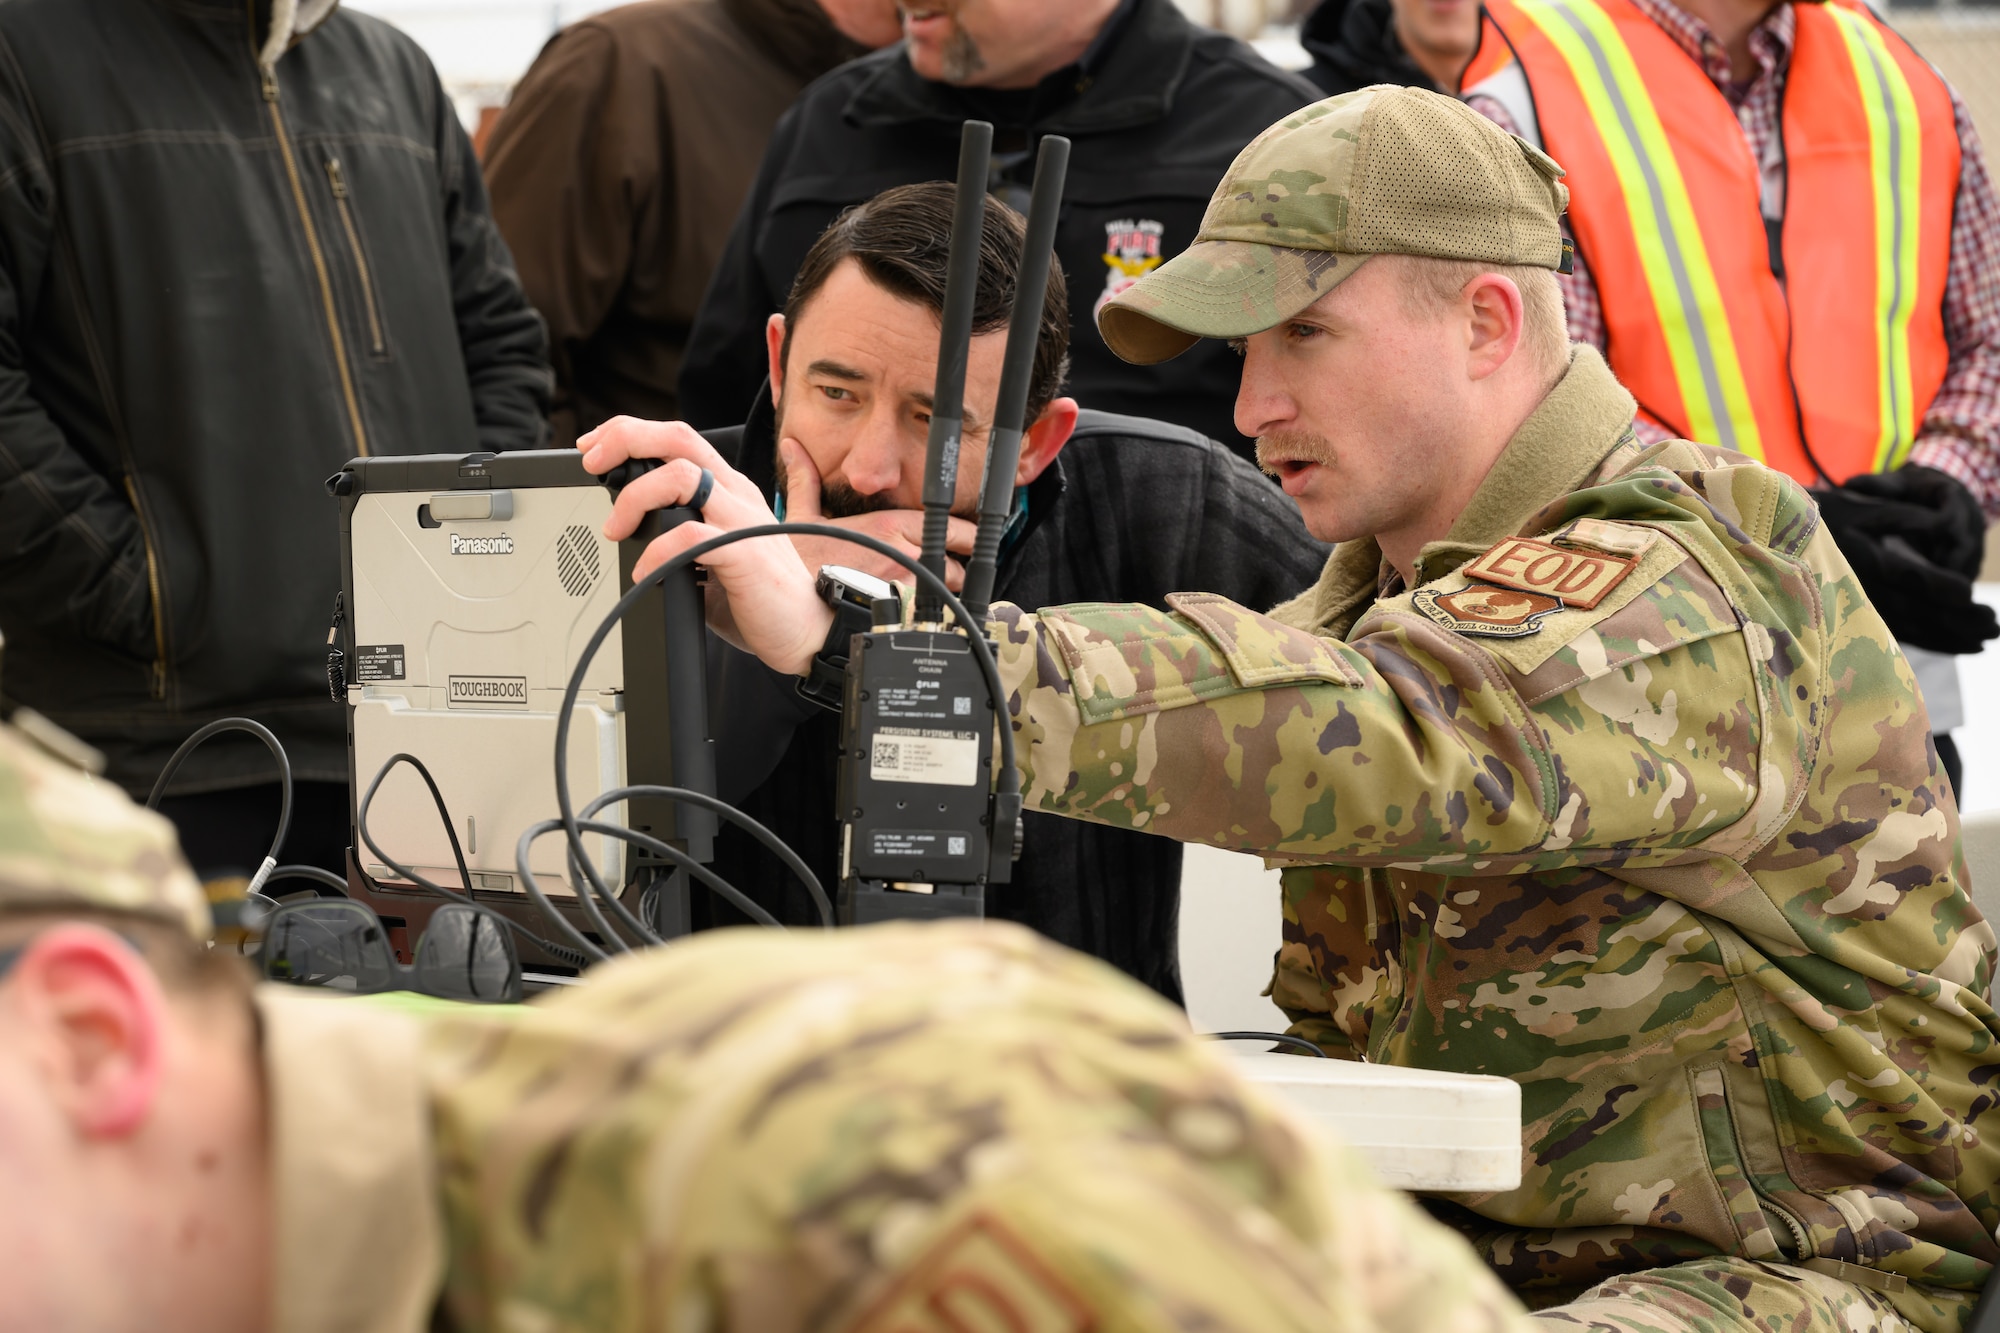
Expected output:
{"points": [[1895, 161], [1678, 273]]}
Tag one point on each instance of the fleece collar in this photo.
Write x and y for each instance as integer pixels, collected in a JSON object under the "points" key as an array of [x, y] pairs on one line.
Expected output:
{"points": [[291, 20]]}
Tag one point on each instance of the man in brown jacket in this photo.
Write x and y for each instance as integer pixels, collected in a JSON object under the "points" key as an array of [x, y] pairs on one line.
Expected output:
{"points": [[620, 163]]}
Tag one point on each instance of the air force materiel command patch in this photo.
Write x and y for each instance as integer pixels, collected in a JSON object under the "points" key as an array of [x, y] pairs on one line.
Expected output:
{"points": [[1495, 613], [1580, 579]]}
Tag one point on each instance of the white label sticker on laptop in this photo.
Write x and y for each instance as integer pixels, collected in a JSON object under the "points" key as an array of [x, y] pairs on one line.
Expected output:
{"points": [[921, 754]]}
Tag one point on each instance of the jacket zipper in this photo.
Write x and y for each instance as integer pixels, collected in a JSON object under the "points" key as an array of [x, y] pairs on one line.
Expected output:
{"points": [[1804, 1247], [338, 180], [270, 78], [157, 680], [1385, 926]]}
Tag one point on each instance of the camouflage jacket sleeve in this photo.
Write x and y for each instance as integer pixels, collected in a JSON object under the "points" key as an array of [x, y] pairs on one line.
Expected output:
{"points": [[1628, 731]]}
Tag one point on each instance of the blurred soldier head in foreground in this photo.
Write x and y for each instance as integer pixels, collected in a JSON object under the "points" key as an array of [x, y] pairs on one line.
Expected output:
{"points": [[888, 1129]]}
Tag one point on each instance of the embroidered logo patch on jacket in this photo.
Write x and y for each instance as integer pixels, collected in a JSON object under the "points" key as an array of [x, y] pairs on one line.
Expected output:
{"points": [[1580, 579], [1497, 613]]}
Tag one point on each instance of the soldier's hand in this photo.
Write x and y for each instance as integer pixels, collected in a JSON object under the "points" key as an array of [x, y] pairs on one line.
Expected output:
{"points": [[900, 528], [760, 593]]}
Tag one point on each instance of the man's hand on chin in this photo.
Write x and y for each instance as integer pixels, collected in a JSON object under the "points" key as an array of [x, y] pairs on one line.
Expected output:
{"points": [[761, 595], [900, 528]]}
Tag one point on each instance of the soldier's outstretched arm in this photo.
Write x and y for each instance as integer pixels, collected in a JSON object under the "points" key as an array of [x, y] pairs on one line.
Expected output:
{"points": [[1672, 710]]}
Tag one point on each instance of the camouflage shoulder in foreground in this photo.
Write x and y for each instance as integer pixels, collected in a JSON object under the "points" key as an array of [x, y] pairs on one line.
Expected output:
{"points": [[1674, 853], [68, 839], [903, 1129]]}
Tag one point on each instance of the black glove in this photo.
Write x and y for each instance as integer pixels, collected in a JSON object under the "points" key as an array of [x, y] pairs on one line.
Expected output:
{"points": [[1929, 509], [1915, 538]]}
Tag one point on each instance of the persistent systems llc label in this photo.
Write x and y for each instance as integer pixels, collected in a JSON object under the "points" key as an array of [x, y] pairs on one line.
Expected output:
{"points": [[500, 545], [924, 754], [486, 692]]}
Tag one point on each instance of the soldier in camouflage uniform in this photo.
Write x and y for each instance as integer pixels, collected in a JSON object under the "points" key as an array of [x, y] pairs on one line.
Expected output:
{"points": [[900, 1130], [1590, 765]]}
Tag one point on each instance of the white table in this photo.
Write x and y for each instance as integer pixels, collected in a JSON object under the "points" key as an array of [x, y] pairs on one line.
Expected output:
{"points": [[1419, 1129]]}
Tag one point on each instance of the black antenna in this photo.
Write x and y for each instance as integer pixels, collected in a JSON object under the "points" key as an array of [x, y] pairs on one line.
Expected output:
{"points": [[1024, 327], [961, 285]]}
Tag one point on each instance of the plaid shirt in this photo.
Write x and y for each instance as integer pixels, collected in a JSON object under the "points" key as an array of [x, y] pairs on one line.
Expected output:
{"points": [[1960, 433]]}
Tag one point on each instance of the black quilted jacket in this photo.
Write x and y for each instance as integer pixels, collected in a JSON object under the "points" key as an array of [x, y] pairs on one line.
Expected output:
{"points": [[217, 284]]}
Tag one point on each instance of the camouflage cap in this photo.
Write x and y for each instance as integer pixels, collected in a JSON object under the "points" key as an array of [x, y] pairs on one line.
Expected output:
{"points": [[1385, 170], [904, 1129], [68, 840]]}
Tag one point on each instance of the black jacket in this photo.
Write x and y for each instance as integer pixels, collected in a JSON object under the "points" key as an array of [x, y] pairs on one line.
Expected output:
{"points": [[1130, 511], [1353, 45], [216, 286], [1156, 115]]}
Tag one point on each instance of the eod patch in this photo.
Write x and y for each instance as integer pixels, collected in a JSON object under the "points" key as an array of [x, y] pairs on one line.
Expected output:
{"points": [[1580, 579]]}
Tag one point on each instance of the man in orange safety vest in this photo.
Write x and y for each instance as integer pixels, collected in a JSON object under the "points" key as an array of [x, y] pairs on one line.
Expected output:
{"points": [[1787, 243]]}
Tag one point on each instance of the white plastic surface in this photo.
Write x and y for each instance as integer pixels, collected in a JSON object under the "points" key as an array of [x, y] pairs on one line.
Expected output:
{"points": [[1420, 1129]]}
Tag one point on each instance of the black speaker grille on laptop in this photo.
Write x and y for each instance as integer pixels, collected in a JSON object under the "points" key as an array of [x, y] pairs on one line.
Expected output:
{"points": [[576, 559]]}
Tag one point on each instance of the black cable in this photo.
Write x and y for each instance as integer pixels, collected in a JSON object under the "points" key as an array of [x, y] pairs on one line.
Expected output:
{"points": [[730, 893], [585, 875], [271, 743], [586, 899], [569, 956], [1282, 1038], [324, 878], [735, 896], [792, 860], [632, 923], [982, 651], [548, 909]]}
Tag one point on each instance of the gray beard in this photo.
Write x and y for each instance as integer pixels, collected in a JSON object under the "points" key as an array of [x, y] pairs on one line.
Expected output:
{"points": [[961, 56]]}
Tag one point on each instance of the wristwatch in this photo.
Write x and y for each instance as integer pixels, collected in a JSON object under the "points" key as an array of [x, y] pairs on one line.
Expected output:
{"points": [[852, 595]]}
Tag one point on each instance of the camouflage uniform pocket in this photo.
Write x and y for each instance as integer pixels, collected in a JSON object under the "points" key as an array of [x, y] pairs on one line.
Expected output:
{"points": [[1755, 1228], [1127, 660], [1262, 651]]}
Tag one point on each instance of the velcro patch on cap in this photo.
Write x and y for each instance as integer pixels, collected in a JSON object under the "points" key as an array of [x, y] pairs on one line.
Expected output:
{"points": [[1577, 578], [980, 1275]]}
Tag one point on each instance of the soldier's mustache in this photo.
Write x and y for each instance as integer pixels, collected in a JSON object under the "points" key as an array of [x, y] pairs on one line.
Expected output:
{"points": [[1294, 446]]}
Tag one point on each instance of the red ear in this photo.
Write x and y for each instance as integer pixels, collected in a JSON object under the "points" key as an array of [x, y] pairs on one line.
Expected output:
{"points": [[95, 1013], [1045, 438]]}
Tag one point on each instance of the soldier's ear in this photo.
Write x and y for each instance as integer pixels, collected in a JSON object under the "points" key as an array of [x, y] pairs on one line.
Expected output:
{"points": [[92, 1017], [1495, 316], [774, 351]]}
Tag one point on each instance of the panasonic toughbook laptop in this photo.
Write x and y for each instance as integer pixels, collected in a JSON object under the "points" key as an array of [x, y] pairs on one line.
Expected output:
{"points": [[470, 585]]}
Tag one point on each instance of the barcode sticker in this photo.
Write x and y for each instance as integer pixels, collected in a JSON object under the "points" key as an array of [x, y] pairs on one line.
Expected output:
{"points": [[921, 754]]}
